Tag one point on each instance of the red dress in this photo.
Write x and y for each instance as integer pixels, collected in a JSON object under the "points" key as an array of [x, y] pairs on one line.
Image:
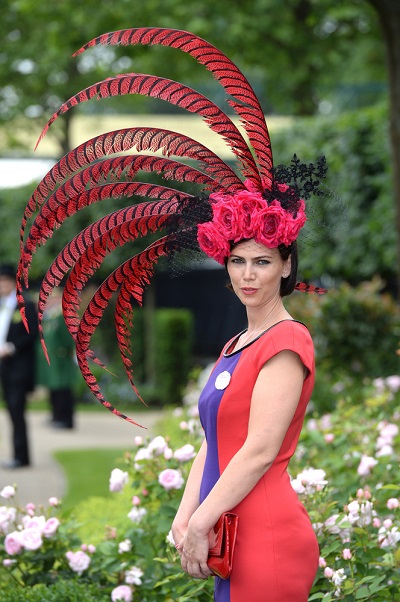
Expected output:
{"points": [[276, 555]]}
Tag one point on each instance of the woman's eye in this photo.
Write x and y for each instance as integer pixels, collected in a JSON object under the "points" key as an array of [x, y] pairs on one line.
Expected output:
{"points": [[263, 262], [236, 260]]}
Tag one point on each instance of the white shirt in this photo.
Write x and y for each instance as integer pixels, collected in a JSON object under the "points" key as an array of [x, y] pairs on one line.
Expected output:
{"points": [[7, 307]]}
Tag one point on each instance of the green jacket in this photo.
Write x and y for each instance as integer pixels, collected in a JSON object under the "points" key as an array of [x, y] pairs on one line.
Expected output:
{"points": [[63, 371]]}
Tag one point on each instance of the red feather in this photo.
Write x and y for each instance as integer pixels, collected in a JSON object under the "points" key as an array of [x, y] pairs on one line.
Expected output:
{"points": [[222, 68], [93, 256], [140, 268], [143, 138], [177, 94], [309, 288], [138, 217], [57, 210]]}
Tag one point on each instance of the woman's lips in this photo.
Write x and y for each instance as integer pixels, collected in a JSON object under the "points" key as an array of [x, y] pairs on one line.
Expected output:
{"points": [[249, 291]]}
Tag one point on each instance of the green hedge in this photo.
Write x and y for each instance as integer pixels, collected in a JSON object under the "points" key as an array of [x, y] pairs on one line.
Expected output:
{"points": [[357, 148], [172, 347], [61, 591]]}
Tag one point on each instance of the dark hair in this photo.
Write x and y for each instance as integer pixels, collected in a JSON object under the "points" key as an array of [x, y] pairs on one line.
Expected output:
{"points": [[288, 283]]}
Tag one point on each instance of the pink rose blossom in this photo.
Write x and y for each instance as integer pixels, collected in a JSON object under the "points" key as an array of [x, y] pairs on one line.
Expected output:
{"points": [[136, 500], [376, 522], [312, 425], [338, 577], [168, 453], [7, 517], [78, 561], [121, 593], [322, 562], [392, 503], [385, 450], [136, 514], [388, 430], [145, 492], [312, 479], [388, 538], [329, 437], [50, 527], [34, 522], [118, 479], [185, 453], [227, 215], [124, 546], [379, 384], [171, 479], [12, 543], [157, 445], [366, 465], [328, 572], [393, 383], [183, 425], [212, 242], [133, 576], [138, 440], [298, 486], [31, 538], [7, 492], [387, 523], [53, 501], [8, 562], [346, 553], [30, 508]]}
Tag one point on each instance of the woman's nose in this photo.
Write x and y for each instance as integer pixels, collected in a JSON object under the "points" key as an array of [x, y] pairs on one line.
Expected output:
{"points": [[248, 272]]}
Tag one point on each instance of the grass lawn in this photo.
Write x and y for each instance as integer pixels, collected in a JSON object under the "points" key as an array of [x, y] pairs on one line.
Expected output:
{"points": [[87, 472]]}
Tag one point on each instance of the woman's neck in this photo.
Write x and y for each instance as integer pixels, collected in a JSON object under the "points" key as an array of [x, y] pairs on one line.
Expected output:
{"points": [[260, 319]]}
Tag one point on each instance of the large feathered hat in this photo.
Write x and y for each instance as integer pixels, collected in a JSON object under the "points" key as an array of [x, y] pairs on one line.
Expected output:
{"points": [[255, 201]]}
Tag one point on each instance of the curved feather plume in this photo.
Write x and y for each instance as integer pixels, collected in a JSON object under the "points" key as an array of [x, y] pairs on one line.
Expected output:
{"points": [[48, 219], [221, 67], [177, 94], [88, 178], [83, 177], [140, 268], [138, 218], [140, 138]]}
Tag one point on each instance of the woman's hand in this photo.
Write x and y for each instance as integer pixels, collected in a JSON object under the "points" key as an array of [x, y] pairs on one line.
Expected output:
{"points": [[178, 532], [193, 550]]}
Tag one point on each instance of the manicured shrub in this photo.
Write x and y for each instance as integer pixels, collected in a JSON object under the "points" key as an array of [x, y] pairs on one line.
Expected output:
{"points": [[172, 347]]}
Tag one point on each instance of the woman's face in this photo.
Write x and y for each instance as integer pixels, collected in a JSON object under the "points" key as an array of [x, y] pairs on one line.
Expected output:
{"points": [[255, 272]]}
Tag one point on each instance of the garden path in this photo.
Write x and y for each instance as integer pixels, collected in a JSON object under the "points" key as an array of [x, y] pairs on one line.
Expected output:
{"points": [[45, 478]]}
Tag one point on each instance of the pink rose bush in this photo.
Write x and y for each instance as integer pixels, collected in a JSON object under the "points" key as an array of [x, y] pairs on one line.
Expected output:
{"points": [[355, 514]]}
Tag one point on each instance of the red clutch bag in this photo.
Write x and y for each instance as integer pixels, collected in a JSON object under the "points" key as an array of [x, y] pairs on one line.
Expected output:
{"points": [[223, 536]]}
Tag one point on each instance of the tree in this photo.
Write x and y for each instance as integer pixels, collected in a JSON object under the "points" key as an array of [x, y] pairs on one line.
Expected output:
{"points": [[389, 16], [295, 52]]}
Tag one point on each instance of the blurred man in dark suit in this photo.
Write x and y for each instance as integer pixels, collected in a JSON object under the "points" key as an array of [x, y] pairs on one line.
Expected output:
{"points": [[17, 362]]}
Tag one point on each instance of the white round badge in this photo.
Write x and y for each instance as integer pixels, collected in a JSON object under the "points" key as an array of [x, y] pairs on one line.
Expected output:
{"points": [[222, 380]]}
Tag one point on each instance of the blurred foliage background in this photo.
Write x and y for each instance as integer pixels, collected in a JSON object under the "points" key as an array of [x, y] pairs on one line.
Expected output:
{"points": [[320, 71]]}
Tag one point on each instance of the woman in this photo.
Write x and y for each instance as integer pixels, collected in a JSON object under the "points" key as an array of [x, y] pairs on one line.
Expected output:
{"points": [[254, 404], [252, 410]]}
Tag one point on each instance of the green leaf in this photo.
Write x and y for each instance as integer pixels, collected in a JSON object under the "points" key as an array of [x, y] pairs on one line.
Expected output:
{"points": [[363, 593]]}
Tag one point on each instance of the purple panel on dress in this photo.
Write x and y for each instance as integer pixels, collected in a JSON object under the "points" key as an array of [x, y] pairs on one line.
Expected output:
{"points": [[209, 403]]}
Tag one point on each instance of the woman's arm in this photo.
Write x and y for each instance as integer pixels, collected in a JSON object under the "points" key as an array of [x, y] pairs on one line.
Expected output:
{"points": [[190, 499], [274, 401]]}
